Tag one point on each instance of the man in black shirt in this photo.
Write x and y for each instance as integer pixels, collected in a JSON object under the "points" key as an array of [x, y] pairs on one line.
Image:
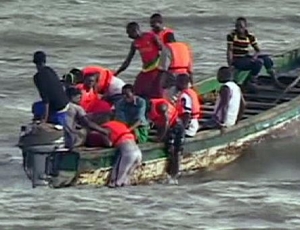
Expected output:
{"points": [[50, 89]]}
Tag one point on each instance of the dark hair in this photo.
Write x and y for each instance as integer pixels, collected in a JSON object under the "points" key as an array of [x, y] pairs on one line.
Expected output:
{"points": [[243, 19], [128, 87], [226, 73], [72, 92], [39, 57], [133, 25], [184, 78], [78, 74], [157, 16]]}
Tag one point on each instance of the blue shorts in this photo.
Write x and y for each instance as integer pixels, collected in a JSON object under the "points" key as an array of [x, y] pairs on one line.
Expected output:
{"points": [[38, 110]]}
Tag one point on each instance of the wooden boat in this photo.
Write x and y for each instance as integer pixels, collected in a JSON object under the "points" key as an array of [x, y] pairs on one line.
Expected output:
{"points": [[209, 149]]}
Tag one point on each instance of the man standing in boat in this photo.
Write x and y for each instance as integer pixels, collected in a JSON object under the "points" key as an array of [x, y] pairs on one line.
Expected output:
{"points": [[149, 47], [165, 34], [230, 104], [238, 42], [186, 125]]}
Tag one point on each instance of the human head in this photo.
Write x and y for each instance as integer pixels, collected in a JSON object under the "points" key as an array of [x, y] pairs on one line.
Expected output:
{"points": [[133, 30], [156, 22], [78, 75], [90, 80], [241, 25], [39, 59], [224, 74], [182, 81], [74, 94], [127, 92]]}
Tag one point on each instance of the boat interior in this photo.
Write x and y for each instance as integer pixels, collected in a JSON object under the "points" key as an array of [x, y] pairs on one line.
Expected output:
{"points": [[267, 94]]}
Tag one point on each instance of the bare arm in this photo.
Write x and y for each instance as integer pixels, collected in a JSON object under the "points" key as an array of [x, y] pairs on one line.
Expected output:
{"points": [[46, 112], [164, 111], [229, 49], [254, 44], [127, 61], [229, 54]]}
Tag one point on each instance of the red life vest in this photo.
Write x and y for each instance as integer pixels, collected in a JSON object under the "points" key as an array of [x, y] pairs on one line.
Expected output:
{"points": [[88, 96], [181, 58], [119, 132], [156, 117], [162, 35], [195, 104], [105, 77]]}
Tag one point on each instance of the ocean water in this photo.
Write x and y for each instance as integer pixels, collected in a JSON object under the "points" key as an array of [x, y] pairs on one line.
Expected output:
{"points": [[259, 191]]}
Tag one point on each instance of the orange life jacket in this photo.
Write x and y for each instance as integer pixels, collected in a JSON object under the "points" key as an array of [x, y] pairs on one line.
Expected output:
{"points": [[181, 58], [149, 51], [162, 34], [195, 104], [156, 117], [98, 106], [87, 96], [105, 77], [119, 132]]}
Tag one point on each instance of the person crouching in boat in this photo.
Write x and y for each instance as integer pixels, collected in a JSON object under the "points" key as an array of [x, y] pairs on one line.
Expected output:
{"points": [[230, 104], [76, 118], [131, 109], [238, 42], [90, 99], [165, 34], [129, 156], [147, 82], [108, 85], [164, 116]]}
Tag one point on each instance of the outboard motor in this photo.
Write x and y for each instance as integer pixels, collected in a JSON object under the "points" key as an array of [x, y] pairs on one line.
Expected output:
{"points": [[42, 147]]}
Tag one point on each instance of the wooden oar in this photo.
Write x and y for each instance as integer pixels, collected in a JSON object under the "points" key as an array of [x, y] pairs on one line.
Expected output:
{"points": [[288, 89]]}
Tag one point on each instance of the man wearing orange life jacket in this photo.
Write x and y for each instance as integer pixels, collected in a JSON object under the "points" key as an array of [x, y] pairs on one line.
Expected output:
{"points": [[188, 105], [149, 46], [188, 109], [129, 154], [164, 116], [176, 58], [107, 84], [165, 34], [90, 99]]}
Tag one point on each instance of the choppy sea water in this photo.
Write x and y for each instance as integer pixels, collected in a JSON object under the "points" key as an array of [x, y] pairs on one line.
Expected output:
{"points": [[259, 191]]}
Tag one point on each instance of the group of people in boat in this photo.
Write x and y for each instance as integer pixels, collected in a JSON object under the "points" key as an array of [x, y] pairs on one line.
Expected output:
{"points": [[95, 107]]}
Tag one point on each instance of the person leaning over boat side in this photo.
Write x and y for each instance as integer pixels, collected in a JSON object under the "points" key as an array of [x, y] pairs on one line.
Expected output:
{"points": [[164, 116], [230, 104], [50, 89], [109, 86], [165, 34], [129, 156], [149, 48], [238, 42], [75, 118], [131, 109], [188, 105]]}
